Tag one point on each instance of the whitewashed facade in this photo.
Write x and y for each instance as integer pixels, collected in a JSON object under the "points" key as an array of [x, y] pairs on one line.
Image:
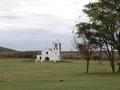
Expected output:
{"points": [[50, 54]]}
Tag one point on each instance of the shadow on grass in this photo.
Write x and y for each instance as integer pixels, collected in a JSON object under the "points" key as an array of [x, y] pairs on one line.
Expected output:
{"points": [[2, 81], [69, 61], [97, 74]]}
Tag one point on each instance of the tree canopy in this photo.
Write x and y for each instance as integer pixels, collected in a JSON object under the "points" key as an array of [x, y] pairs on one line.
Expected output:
{"points": [[103, 28]]}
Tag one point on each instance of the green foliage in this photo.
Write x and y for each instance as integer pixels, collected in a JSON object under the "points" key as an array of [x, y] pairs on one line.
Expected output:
{"points": [[104, 26]]}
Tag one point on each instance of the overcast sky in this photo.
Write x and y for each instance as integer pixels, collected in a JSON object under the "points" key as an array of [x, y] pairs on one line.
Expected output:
{"points": [[34, 24]]}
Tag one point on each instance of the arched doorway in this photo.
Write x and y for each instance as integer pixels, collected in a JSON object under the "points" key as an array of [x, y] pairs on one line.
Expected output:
{"points": [[40, 58], [47, 59]]}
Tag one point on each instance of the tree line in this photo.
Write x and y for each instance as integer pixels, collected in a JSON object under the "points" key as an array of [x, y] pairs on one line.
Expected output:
{"points": [[18, 54]]}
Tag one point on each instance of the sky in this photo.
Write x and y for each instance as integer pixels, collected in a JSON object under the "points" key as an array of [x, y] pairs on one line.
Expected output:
{"points": [[35, 24]]}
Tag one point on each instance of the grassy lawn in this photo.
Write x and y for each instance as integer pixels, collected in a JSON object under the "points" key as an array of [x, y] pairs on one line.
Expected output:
{"points": [[17, 75]]}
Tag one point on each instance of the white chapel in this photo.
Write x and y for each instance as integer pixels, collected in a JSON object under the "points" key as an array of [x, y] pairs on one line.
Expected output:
{"points": [[50, 54]]}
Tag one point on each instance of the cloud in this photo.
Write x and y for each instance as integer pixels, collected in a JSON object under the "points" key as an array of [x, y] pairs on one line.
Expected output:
{"points": [[41, 39], [33, 24]]}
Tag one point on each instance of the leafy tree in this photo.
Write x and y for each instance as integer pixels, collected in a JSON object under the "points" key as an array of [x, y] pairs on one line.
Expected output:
{"points": [[86, 45], [103, 28]]}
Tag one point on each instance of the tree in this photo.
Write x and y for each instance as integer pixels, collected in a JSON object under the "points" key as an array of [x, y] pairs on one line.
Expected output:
{"points": [[103, 27], [85, 45]]}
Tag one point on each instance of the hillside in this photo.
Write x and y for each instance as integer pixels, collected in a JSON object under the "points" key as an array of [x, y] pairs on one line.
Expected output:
{"points": [[3, 49]]}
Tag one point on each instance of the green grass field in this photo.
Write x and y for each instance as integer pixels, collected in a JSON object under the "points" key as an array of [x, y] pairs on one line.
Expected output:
{"points": [[17, 75]]}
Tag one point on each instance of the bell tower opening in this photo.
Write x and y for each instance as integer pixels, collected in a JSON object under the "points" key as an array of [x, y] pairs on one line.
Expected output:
{"points": [[57, 46]]}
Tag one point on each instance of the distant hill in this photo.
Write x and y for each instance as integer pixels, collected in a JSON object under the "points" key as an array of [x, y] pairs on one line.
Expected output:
{"points": [[3, 49]]}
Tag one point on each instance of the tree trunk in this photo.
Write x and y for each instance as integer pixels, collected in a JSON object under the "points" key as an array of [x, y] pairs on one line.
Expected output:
{"points": [[87, 66], [119, 62], [100, 55], [118, 67], [112, 55], [88, 61], [100, 59], [112, 65], [113, 58]]}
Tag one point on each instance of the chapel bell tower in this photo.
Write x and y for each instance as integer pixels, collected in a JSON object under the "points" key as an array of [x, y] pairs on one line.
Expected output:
{"points": [[57, 46]]}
